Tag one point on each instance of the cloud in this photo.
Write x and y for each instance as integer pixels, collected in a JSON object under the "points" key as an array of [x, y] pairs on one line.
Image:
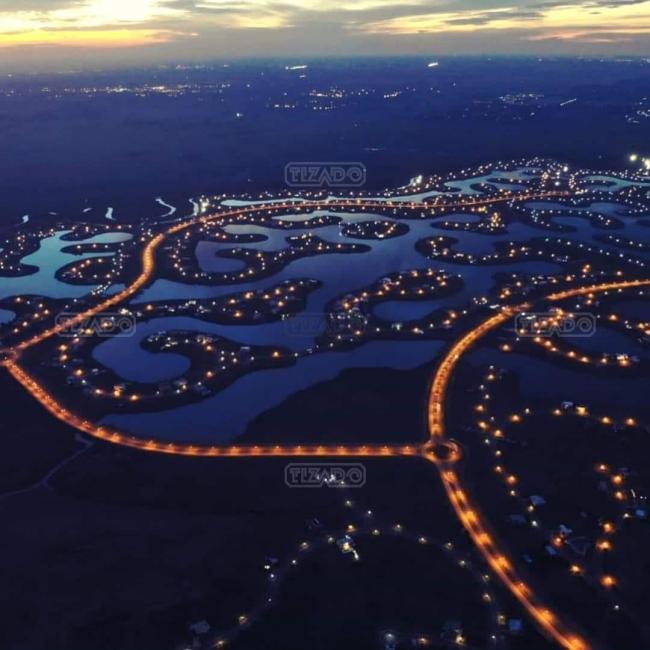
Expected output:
{"points": [[83, 13], [337, 26], [35, 5], [104, 38], [542, 21]]}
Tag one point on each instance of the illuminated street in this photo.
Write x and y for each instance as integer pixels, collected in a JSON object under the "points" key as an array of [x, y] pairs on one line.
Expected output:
{"points": [[440, 449]]}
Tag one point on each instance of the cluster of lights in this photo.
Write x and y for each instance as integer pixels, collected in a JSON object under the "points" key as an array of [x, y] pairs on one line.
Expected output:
{"points": [[257, 263], [642, 161], [470, 518], [353, 318], [374, 229], [553, 250], [487, 425], [252, 306]]}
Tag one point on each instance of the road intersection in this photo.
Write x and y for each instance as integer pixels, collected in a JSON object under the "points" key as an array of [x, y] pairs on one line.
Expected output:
{"points": [[439, 447]]}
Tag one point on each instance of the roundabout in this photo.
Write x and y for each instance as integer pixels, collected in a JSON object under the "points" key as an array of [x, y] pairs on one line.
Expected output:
{"points": [[439, 448]]}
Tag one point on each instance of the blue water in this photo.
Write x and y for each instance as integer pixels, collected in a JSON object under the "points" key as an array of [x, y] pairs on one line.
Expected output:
{"points": [[339, 273], [406, 310], [223, 417], [636, 310], [210, 262], [605, 339], [49, 258], [601, 182], [6, 316], [545, 380]]}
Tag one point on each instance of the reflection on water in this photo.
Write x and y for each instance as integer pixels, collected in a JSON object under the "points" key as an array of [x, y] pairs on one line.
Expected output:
{"points": [[6, 316], [406, 310], [545, 380], [224, 416], [49, 258], [638, 310]]}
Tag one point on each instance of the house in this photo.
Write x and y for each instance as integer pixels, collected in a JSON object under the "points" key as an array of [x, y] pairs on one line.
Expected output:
{"points": [[579, 545], [451, 631], [180, 384], [200, 388], [515, 626], [313, 524], [346, 544], [200, 627], [390, 641]]}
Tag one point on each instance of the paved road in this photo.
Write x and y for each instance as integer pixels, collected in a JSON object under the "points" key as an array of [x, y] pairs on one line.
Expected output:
{"points": [[468, 514]]}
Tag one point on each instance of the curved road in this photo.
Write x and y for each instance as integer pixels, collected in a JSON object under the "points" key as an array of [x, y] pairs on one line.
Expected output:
{"points": [[465, 510], [547, 621]]}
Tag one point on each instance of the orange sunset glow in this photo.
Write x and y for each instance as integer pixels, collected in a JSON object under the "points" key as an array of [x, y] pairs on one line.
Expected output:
{"points": [[164, 28]]}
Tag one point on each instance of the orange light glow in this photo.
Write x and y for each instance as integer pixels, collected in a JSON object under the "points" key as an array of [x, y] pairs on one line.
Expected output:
{"points": [[459, 497], [87, 38]]}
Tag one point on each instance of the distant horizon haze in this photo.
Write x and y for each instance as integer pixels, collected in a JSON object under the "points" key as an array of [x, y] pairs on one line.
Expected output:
{"points": [[51, 35]]}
